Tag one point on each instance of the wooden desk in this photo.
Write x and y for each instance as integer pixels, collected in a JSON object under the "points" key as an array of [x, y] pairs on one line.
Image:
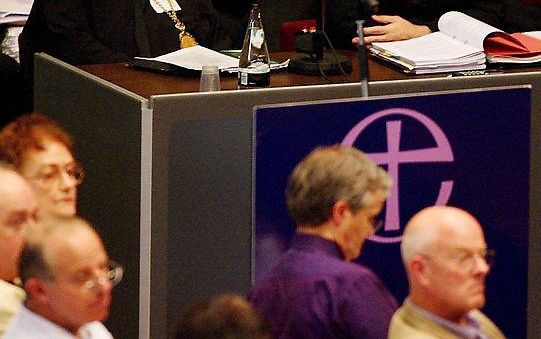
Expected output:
{"points": [[147, 83]]}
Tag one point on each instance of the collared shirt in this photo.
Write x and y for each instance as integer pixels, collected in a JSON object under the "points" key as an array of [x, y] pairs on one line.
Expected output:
{"points": [[11, 298], [314, 293], [29, 325], [471, 329]]}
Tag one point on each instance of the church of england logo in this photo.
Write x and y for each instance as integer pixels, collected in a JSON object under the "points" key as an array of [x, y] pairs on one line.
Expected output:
{"points": [[395, 156]]}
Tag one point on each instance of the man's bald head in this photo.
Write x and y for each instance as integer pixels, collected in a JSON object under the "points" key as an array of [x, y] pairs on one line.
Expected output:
{"points": [[445, 255], [432, 225], [66, 273], [52, 236]]}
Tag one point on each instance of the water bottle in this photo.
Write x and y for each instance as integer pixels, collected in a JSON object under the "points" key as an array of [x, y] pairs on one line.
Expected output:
{"points": [[254, 62]]}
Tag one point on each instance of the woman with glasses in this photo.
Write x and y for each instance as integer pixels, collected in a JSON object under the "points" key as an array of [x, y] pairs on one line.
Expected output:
{"points": [[41, 151]]}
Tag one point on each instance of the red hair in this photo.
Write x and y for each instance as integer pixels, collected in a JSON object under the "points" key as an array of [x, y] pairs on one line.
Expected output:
{"points": [[28, 132]]}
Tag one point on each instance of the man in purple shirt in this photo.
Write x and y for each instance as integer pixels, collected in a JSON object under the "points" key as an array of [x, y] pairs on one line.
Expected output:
{"points": [[314, 291]]}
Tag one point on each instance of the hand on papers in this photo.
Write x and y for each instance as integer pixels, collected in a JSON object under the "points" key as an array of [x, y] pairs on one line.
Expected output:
{"points": [[392, 28]]}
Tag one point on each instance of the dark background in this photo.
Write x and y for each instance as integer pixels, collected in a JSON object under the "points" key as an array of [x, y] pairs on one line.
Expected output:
{"points": [[489, 134]]}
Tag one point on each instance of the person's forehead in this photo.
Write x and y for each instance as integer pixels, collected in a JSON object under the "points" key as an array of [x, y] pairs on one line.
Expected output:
{"points": [[461, 239], [54, 153], [15, 193], [74, 251]]}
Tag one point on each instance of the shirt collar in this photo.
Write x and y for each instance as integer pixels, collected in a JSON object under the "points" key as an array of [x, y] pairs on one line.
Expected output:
{"points": [[471, 329], [44, 325], [52, 330], [313, 243]]}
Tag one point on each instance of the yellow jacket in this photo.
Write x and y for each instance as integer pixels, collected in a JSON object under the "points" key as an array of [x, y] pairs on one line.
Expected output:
{"points": [[407, 323]]}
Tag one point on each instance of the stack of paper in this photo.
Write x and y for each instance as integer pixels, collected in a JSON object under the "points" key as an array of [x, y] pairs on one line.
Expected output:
{"points": [[463, 43], [432, 53], [14, 12]]}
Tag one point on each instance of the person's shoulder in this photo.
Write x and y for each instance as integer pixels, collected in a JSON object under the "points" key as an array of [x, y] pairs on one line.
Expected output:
{"points": [[359, 271], [11, 295], [406, 324], [95, 330]]}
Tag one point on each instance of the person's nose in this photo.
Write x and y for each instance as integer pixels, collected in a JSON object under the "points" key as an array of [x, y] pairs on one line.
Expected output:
{"points": [[481, 265], [103, 284], [67, 181]]}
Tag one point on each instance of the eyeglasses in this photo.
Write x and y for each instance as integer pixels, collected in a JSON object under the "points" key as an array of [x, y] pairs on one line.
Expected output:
{"points": [[467, 260], [113, 274], [53, 174]]}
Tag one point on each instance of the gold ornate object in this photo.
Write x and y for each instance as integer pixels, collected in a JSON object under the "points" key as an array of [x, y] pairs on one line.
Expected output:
{"points": [[185, 39]]}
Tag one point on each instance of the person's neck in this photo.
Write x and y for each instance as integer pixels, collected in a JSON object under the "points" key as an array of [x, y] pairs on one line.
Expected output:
{"points": [[437, 309], [46, 312], [326, 230], [323, 230]]}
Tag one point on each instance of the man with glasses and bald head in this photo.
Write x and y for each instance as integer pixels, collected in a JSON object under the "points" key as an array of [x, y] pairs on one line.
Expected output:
{"points": [[68, 279], [447, 261], [17, 215]]}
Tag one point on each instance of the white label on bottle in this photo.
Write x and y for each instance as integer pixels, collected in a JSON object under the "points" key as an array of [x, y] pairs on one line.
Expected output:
{"points": [[256, 68], [165, 5], [243, 78], [258, 36]]}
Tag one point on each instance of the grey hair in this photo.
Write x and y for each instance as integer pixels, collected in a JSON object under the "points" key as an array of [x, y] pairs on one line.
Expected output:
{"points": [[331, 174]]}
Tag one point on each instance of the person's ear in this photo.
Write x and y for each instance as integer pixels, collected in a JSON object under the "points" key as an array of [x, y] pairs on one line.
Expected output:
{"points": [[340, 212], [36, 290], [418, 270]]}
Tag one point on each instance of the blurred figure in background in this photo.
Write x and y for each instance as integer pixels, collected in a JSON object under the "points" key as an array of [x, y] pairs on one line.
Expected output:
{"points": [[226, 316], [314, 291], [11, 85], [17, 215], [68, 279], [41, 151]]}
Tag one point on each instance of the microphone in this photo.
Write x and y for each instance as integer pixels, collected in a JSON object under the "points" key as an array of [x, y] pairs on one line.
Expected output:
{"points": [[363, 62]]}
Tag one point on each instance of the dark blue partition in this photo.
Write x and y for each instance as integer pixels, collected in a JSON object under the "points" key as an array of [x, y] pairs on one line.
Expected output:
{"points": [[466, 149]]}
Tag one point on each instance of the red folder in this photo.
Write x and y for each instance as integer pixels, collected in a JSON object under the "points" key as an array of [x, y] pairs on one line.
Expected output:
{"points": [[512, 45]]}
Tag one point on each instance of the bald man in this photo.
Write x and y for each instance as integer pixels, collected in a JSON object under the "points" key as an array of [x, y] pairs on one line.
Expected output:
{"points": [[447, 260], [68, 279], [17, 215]]}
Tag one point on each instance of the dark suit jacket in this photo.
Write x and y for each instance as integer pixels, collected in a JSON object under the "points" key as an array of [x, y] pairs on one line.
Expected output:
{"points": [[11, 90], [103, 31]]}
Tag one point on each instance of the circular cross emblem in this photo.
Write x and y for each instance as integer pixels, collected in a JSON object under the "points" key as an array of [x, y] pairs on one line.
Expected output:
{"points": [[394, 157]]}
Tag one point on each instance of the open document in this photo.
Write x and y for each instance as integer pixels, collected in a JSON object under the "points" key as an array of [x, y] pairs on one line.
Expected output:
{"points": [[194, 58], [463, 43]]}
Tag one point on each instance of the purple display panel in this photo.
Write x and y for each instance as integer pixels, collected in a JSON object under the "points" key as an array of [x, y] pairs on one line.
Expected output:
{"points": [[468, 149]]}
